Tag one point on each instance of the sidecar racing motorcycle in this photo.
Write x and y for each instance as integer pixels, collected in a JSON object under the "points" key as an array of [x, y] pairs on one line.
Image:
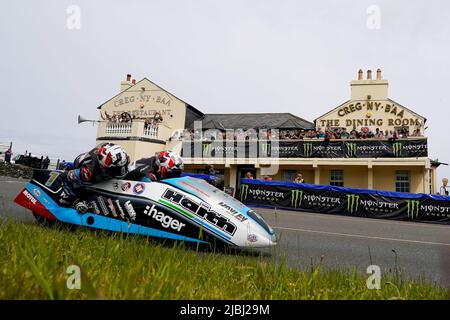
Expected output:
{"points": [[186, 209]]}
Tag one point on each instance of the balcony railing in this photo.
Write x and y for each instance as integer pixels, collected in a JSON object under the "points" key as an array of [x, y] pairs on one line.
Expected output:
{"points": [[151, 131], [131, 129], [118, 129]]}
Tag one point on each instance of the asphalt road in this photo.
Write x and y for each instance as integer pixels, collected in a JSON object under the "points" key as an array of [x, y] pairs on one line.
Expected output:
{"points": [[417, 250]]}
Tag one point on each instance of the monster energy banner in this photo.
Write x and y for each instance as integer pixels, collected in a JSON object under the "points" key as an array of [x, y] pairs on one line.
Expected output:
{"points": [[345, 201], [307, 149]]}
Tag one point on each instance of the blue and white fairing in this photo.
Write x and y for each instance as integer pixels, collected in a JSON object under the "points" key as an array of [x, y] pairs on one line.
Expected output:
{"points": [[186, 209], [209, 208], [251, 228]]}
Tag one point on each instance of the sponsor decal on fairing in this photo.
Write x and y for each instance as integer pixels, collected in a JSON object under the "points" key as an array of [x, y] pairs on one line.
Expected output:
{"points": [[252, 238], [112, 208], [233, 211], [165, 220], [36, 192], [122, 213], [103, 206], [125, 186], [138, 188], [201, 210], [95, 207], [129, 208], [29, 196]]}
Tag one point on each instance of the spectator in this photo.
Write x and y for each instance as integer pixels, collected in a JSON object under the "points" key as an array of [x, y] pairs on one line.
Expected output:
{"points": [[62, 165], [45, 163], [267, 178], [299, 178], [443, 190], [8, 155], [320, 134], [249, 175], [209, 169], [344, 134]]}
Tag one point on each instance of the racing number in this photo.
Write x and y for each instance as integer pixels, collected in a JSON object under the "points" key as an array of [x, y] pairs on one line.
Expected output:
{"points": [[52, 178]]}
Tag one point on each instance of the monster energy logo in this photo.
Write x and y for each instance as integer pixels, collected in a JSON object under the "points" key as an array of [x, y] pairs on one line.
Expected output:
{"points": [[307, 149], [206, 148], [266, 148], [244, 192], [352, 203], [397, 149], [351, 149], [413, 208], [297, 197]]}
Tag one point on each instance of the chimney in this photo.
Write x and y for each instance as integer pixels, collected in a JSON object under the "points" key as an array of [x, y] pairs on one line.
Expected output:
{"points": [[360, 74], [378, 74], [124, 85], [133, 82], [362, 88]]}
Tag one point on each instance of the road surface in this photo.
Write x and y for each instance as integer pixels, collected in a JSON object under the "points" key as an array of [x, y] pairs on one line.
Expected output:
{"points": [[416, 249]]}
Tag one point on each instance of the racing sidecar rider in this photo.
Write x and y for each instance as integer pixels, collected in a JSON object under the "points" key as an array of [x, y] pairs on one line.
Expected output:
{"points": [[106, 161], [164, 165]]}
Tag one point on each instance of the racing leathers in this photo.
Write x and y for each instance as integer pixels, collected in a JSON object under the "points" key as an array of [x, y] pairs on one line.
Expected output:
{"points": [[146, 170], [87, 171]]}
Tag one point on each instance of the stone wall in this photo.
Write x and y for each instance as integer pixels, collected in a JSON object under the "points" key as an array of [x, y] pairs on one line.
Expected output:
{"points": [[15, 170]]}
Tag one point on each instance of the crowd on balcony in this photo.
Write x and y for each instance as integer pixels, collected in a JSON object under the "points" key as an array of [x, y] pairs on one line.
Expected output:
{"points": [[126, 117], [342, 133], [300, 134]]}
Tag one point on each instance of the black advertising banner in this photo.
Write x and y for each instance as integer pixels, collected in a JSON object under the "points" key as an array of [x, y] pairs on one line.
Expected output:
{"points": [[345, 201], [306, 149]]}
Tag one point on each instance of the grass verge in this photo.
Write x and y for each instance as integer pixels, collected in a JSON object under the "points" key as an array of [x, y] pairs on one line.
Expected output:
{"points": [[34, 262]]}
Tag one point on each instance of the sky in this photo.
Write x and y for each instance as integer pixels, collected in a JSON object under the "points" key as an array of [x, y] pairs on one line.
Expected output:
{"points": [[60, 59]]}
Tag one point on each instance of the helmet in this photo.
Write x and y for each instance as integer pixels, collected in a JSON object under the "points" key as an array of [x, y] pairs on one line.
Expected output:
{"points": [[113, 158], [169, 164]]}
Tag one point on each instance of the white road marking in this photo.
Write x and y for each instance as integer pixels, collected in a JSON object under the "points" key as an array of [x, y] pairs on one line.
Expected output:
{"points": [[362, 236]]}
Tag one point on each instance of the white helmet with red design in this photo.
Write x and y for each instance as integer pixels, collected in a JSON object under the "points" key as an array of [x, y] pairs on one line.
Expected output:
{"points": [[113, 158], [169, 164]]}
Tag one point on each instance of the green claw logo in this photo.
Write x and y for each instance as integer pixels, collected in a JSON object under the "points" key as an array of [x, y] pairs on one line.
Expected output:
{"points": [[352, 203], [206, 148], [413, 208], [297, 197], [307, 149], [397, 149], [351, 149], [244, 192], [266, 148]]}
